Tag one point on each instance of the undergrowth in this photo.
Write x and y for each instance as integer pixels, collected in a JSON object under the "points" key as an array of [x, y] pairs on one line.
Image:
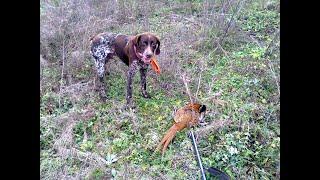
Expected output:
{"points": [[84, 138]]}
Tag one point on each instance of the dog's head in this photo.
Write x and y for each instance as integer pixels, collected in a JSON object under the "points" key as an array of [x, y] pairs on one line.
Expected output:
{"points": [[146, 45]]}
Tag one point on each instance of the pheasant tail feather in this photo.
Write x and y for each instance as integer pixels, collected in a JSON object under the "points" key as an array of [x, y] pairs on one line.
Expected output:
{"points": [[167, 138]]}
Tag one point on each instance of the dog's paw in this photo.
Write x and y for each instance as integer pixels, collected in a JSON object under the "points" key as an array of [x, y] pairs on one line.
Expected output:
{"points": [[146, 95], [129, 103], [103, 95], [129, 107], [103, 98]]}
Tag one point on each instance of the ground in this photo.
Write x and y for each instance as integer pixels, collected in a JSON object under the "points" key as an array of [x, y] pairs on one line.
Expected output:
{"points": [[229, 52]]}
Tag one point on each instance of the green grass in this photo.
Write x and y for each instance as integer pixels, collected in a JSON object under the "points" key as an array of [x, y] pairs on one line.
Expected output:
{"points": [[247, 148]]}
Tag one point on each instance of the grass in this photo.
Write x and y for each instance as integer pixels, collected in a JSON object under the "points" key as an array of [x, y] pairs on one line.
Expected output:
{"points": [[239, 87]]}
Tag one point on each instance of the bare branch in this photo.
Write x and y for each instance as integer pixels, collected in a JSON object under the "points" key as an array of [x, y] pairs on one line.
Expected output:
{"points": [[199, 80], [185, 81], [61, 79], [239, 6], [267, 52]]}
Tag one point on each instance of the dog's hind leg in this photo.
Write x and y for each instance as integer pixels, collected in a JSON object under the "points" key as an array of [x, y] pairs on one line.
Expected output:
{"points": [[101, 87], [102, 50], [100, 57]]}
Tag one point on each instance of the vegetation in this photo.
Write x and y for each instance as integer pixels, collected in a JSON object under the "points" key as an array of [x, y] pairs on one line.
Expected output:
{"points": [[229, 52]]}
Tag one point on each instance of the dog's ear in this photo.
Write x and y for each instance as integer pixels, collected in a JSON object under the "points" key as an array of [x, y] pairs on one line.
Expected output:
{"points": [[158, 46], [136, 39]]}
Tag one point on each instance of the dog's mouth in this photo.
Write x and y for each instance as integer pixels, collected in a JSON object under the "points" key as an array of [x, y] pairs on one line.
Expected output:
{"points": [[146, 60]]}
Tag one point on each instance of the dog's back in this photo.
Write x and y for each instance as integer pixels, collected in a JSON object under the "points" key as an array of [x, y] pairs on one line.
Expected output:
{"points": [[109, 44], [121, 42], [102, 45]]}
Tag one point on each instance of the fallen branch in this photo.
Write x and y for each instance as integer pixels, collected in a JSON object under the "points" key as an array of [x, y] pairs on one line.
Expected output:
{"points": [[214, 126], [72, 113], [87, 157]]}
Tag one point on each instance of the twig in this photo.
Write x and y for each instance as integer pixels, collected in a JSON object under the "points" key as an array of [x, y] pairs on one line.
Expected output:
{"points": [[80, 86], [61, 80], [198, 84], [74, 113], [270, 63], [41, 75], [215, 125], [230, 22], [274, 75], [255, 41], [192, 21], [188, 91], [199, 80], [220, 47], [94, 159], [272, 41], [215, 95], [186, 86]]}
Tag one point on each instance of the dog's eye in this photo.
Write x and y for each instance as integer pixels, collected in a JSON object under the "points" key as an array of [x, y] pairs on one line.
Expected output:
{"points": [[145, 43]]}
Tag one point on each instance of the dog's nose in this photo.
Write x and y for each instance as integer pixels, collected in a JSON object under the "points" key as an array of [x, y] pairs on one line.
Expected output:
{"points": [[149, 55]]}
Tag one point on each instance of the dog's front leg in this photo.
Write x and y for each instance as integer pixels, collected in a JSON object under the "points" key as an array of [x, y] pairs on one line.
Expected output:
{"points": [[143, 82], [133, 67]]}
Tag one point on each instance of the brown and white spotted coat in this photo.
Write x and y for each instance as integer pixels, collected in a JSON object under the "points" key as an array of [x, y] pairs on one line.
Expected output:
{"points": [[135, 51]]}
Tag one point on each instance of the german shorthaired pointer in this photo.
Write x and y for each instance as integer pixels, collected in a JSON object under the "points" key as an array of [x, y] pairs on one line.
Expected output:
{"points": [[135, 51]]}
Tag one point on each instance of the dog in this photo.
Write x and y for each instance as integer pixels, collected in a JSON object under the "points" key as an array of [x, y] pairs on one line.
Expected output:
{"points": [[135, 51]]}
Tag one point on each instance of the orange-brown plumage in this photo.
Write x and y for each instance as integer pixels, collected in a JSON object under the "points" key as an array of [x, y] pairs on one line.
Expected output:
{"points": [[154, 65], [185, 117]]}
